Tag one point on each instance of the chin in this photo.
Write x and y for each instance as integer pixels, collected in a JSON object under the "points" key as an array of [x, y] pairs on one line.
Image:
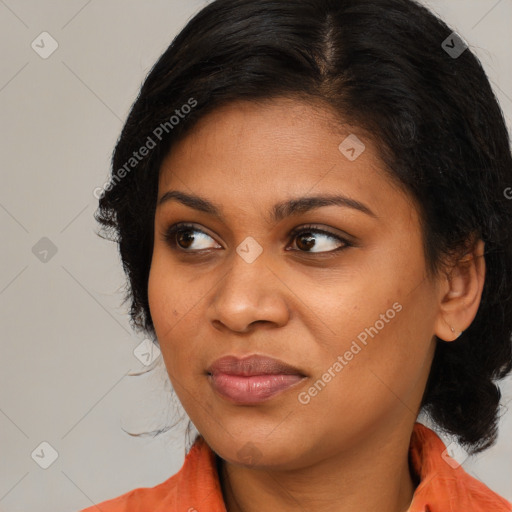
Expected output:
{"points": [[260, 452]]}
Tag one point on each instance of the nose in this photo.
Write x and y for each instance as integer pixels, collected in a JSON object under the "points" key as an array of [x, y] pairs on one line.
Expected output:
{"points": [[248, 294]]}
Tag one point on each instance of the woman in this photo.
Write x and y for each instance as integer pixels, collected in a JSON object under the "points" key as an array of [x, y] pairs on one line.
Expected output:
{"points": [[309, 202]]}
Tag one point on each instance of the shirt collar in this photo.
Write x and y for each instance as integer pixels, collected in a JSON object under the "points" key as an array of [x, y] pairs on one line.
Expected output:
{"points": [[443, 486]]}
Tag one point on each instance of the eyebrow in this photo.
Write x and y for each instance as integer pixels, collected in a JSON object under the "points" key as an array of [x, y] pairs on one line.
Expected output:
{"points": [[279, 211]]}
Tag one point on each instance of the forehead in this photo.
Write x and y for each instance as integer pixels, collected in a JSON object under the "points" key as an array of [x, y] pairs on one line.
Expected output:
{"points": [[262, 152]]}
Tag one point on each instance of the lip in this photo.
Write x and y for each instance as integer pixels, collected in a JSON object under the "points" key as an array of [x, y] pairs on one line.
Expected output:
{"points": [[252, 379]]}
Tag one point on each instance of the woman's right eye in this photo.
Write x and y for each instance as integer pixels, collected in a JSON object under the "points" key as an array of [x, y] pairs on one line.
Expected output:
{"points": [[184, 236]]}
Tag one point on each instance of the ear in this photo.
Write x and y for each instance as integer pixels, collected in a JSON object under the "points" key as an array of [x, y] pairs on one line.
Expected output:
{"points": [[460, 293]]}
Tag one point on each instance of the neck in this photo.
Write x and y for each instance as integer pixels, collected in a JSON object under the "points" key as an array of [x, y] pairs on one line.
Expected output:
{"points": [[373, 476]]}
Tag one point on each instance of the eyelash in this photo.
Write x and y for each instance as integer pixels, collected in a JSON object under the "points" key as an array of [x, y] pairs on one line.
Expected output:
{"points": [[171, 232]]}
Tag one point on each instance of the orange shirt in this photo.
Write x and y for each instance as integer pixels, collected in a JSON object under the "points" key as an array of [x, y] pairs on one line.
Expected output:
{"points": [[196, 487]]}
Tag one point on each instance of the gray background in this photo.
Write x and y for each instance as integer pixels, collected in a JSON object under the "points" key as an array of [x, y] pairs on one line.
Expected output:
{"points": [[66, 343]]}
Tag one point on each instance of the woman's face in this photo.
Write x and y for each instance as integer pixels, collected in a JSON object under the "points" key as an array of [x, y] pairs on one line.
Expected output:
{"points": [[337, 290]]}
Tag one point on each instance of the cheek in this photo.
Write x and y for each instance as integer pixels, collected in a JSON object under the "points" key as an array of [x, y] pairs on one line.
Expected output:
{"points": [[167, 304], [175, 303], [171, 296], [386, 353], [161, 305], [379, 338]]}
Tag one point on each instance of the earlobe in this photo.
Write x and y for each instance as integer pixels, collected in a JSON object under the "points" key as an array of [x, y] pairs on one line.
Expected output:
{"points": [[460, 294], [454, 332]]}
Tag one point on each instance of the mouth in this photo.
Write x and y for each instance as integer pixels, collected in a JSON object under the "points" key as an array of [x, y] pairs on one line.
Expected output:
{"points": [[252, 379]]}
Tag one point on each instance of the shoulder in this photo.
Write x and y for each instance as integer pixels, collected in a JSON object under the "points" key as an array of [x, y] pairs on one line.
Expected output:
{"points": [[444, 485], [195, 485], [141, 498]]}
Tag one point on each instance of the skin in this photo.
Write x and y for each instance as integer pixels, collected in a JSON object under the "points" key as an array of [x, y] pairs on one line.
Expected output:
{"points": [[305, 308]]}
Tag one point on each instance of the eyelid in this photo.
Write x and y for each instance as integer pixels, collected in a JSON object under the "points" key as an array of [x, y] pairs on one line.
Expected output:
{"points": [[344, 237]]}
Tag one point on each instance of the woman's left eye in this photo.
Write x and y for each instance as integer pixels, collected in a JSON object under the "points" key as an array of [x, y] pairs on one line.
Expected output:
{"points": [[314, 240]]}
